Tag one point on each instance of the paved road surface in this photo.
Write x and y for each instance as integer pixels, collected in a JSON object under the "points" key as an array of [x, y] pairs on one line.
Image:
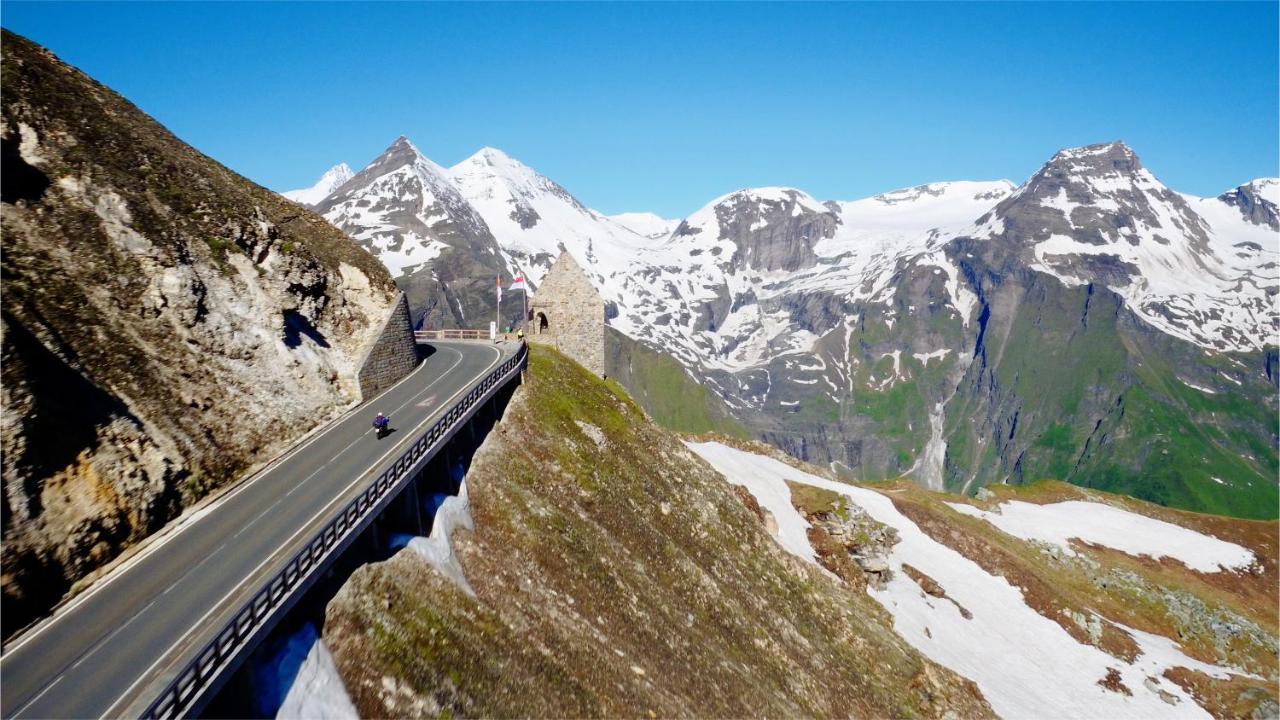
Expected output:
{"points": [[109, 644]]}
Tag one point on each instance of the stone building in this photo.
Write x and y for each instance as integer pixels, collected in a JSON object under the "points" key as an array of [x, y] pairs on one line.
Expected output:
{"points": [[567, 313]]}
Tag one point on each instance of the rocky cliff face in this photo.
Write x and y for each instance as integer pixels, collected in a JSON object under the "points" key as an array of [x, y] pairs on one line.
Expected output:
{"points": [[166, 325]]}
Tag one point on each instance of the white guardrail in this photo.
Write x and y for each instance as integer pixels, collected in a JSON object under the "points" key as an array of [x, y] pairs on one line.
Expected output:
{"points": [[182, 691]]}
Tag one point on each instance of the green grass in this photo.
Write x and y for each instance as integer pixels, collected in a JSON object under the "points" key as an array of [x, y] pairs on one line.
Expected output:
{"points": [[666, 392]]}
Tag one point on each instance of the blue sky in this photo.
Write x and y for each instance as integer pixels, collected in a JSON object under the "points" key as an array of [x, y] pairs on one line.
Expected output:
{"points": [[662, 107]]}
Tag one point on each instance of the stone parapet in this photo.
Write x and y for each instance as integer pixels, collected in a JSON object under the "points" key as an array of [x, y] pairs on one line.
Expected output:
{"points": [[394, 355]]}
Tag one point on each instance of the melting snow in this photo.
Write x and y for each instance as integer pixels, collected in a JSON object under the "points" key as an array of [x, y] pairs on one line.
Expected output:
{"points": [[317, 690], [1026, 665], [924, 358], [1112, 527]]}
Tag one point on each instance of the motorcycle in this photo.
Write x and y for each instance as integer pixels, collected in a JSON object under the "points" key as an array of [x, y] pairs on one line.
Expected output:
{"points": [[382, 426]]}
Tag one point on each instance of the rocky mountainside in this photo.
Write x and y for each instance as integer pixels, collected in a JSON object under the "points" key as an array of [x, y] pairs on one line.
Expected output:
{"points": [[167, 325], [1090, 325]]}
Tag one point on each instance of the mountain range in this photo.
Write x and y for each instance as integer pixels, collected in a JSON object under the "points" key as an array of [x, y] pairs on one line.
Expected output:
{"points": [[1090, 324]]}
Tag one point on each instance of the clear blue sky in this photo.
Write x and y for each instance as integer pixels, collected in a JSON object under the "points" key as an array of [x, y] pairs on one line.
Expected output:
{"points": [[664, 106]]}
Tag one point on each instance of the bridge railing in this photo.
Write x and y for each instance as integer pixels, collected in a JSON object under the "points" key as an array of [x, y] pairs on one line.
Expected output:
{"points": [[187, 685], [452, 334]]}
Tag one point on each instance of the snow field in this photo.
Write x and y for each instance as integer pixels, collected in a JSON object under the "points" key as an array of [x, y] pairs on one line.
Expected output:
{"points": [[1026, 665], [1112, 527]]}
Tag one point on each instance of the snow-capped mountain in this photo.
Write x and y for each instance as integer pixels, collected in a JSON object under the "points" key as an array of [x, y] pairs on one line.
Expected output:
{"points": [[926, 331], [406, 210], [333, 179], [533, 218], [1196, 268]]}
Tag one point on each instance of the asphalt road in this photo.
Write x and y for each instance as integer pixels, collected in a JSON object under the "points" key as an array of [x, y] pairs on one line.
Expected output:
{"points": [[113, 641]]}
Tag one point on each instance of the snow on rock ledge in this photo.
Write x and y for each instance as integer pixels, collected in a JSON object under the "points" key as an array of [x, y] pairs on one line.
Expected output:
{"points": [[1101, 524]]}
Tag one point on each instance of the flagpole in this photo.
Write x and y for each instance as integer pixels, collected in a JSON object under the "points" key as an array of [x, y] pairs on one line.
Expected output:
{"points": [[497, 320]]}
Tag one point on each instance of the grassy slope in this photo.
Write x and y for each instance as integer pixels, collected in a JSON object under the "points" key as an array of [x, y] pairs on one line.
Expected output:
{"points": [[664, 389], [1098, 402], [620, 579]]}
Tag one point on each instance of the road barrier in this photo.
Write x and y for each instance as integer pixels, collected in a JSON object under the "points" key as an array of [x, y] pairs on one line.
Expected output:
{"points": [[426, 335], [186, 687]]}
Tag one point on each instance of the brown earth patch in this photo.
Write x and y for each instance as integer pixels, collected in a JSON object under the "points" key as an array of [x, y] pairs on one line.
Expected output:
{"points": [[834, 556], [931, 587], [1237, 697], [1112, 682]]}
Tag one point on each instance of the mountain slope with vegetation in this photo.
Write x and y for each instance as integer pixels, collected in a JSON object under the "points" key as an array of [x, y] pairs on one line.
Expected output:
{"points": [[611, 574], [167, 325]]}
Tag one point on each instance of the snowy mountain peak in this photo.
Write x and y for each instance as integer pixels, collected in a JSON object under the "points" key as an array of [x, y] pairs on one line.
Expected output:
{"points": [[333, 178], [1096, 215], [405, 209], [1258, 202], [494, 156], [1113, 155]]}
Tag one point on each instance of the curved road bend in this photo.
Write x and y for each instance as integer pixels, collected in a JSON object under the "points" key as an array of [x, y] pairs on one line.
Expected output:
{"points": [[97, 654]]}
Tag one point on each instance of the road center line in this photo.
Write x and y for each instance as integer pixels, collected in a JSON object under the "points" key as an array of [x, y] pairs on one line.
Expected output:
{"points": [[287, 543]]}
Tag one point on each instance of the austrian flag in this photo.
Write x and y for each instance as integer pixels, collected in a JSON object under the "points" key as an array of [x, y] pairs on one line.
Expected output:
{"points": [[518, 284]]}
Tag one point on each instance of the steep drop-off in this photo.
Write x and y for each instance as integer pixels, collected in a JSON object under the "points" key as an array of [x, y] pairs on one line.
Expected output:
{"points": [[167, 325], [616, 575]]}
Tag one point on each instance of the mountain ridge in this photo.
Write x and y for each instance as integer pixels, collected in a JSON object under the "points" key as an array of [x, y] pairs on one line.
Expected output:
{"points": [[842, 331]]}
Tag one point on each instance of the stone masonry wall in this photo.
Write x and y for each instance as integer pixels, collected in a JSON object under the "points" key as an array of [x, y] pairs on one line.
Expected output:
{"points": [[575, 315], [393, 356]]}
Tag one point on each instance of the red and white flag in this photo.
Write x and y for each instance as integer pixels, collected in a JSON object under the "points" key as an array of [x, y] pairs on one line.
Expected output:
{"points": [[499, 289], [518, 284]]}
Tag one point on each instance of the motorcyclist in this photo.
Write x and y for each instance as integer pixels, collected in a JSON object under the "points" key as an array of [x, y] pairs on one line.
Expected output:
{"points": [[381, 423]]}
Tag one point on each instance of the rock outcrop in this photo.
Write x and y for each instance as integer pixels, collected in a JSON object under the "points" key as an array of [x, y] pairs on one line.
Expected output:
{"points": [[167, 325]]}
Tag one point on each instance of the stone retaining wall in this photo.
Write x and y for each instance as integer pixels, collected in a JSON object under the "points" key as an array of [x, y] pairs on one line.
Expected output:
{"points": [[393, 356]]}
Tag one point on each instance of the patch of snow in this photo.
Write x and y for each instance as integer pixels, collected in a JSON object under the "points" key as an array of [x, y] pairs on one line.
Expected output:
{"points": [[317, 692], [1109, 526], [437, 549], [1193, 386], [1026, 665], [924, 358]]}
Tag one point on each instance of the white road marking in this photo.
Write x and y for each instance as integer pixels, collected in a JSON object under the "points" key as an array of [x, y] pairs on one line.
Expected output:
{"points": [[200, 623], [33, 700], [182, 526]]}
